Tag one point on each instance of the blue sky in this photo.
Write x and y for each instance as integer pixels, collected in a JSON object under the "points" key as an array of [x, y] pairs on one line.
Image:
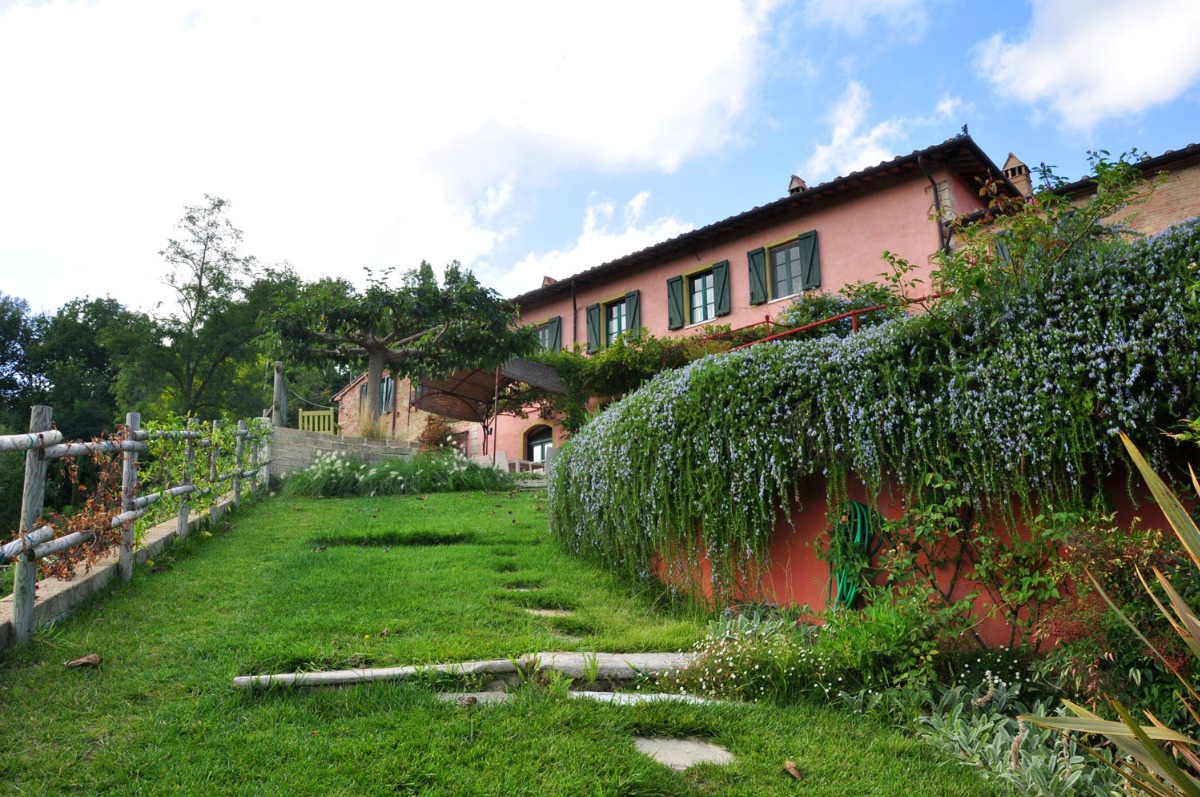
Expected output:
{"points": [[525, 138]]}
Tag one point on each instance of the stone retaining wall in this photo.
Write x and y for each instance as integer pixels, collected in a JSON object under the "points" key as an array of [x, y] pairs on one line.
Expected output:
{"points": [[292, 449]]}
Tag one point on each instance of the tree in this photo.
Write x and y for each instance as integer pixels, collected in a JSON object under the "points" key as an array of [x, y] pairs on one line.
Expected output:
{"points": [[206, 352], [16, 336], [419, 329], [74, 354]]}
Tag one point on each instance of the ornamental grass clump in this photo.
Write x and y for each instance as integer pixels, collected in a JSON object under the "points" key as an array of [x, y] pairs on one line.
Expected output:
{"points": [[1013, 394], [337, 476], [1157, 759]]}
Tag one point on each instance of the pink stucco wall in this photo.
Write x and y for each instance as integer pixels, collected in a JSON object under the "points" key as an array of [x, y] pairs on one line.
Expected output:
{"points": [[853, 231]]}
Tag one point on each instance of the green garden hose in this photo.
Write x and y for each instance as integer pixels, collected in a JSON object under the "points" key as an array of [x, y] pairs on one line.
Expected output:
{"points": [[856, 540]]}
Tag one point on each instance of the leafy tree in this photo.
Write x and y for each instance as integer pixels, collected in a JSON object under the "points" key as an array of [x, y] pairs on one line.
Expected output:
{"points": [[419, 329], [207, 353], [16, 335], [74, 354]]}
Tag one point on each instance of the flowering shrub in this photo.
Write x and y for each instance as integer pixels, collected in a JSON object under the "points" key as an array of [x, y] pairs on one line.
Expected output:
{"points": [[337, 476], [1014, 396]]}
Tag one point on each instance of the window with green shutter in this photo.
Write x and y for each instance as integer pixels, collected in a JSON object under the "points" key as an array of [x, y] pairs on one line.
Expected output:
{"points": [[784, 270], [549, 335], [702, 300]]}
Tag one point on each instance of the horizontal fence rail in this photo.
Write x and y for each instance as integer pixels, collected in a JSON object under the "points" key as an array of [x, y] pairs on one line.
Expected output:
{"points": [[31, 441], [245, 456]]}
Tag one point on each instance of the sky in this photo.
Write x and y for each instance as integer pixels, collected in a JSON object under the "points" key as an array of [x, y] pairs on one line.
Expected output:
{"points": [[525, 138]]}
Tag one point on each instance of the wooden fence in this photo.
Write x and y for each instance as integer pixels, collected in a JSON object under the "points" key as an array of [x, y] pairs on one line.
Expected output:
{"points": [[36, 540]]}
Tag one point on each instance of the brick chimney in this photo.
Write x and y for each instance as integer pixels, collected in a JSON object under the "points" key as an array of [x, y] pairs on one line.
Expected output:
{"points": [[1018, 174], [796, 185]]}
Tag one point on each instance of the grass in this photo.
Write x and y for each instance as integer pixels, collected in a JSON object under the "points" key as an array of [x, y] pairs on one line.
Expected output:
{"points": [[271, 591]]}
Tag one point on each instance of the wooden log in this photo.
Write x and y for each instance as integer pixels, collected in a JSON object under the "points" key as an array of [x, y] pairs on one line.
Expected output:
{"points": [[128, 494], [189, 463], [31, 441], [63, 543], [167, 434], [214, 453], [239, 452], [343, 677], [99, 446], [279, 398], [605, 666], [25, 541], [126, 517], [32, 499], [153, 498]]}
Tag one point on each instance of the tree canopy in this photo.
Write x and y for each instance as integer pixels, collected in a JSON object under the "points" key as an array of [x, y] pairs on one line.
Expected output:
{"points": [[421, 328]]}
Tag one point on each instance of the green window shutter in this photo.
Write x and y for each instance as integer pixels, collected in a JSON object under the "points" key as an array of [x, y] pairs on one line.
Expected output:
{"points": [[810, 262], [675, 303], [593, 328], [555, 333], [758, 275], [1003, 255], [721, 288], [633, 311]]}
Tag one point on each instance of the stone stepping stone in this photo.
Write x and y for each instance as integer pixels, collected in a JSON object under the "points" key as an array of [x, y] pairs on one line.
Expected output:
{"points": [[550, 612], [679, 754], [638, 698], [616, 698]]}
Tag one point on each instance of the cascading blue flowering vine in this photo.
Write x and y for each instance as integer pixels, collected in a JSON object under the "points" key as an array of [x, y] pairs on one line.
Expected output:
{"points": [[1015, 395]]}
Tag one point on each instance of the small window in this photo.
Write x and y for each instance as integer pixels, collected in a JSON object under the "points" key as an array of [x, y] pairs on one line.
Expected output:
{"points": [[537, 441], [615, 321], [703, 303], [549, 335], [785, 271]]}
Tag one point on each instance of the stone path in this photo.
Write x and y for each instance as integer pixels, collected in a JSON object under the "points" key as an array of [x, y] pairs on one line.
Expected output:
{"points": [[574, 665], [678, 754]]}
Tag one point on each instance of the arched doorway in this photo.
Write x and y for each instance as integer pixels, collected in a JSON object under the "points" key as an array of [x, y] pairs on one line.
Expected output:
{"points": [[537, 440]]}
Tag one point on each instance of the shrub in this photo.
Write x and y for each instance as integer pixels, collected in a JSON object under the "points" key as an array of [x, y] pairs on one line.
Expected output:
{"points": [[1013, 398], [336, 476]]}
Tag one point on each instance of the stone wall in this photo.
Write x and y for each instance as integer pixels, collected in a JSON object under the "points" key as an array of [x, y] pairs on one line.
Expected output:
{"points": [[292, 449]]}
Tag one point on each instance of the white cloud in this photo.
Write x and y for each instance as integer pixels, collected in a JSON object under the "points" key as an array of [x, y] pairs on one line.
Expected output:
{"points": [[598, 242], [371, 133], [850, 147], [950, 107], [1090, 60], [906, 17]]}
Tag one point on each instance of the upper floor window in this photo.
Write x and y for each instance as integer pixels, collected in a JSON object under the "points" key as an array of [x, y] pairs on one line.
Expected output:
{"points": [[549, 335], [615, 321], [784, 269], [707, 296], [607, 322], [703, 300]]}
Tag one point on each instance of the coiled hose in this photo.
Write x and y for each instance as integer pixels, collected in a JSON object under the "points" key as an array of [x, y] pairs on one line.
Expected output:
{"points": [[857, 540]]}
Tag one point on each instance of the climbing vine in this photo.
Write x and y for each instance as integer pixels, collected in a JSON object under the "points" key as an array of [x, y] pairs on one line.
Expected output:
{"points": [[1014, 388]]}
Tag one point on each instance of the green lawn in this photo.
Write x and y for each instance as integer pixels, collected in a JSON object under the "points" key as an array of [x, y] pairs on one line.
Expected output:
{"points": [[278, 588]]}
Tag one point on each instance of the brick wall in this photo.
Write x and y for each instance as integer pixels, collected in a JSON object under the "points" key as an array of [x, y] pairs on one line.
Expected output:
{"points": [[292, 449], [1172, 202]]}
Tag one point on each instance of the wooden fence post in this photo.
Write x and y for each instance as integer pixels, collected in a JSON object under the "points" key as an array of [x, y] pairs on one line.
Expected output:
{"points": [[189, 463], [214, 454], [239, 449], [279, 398], [25, 575], [129, 478]]}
